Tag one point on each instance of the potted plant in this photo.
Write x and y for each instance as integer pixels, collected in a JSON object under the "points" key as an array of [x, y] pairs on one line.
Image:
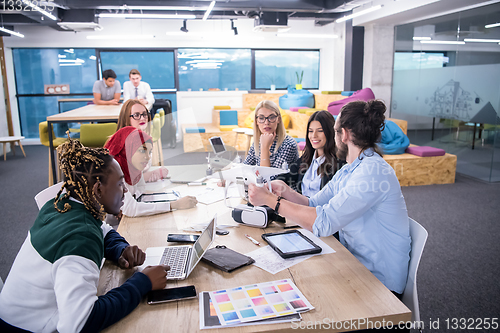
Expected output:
{"points": [[271, 79], [300, 76]]}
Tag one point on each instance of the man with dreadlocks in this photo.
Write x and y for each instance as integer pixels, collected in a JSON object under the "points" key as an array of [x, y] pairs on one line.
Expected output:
{"points": [[52, 285]]}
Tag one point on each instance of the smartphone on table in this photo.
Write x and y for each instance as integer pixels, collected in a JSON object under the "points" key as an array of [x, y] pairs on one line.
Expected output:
{"points": [[182, 238], [171, 294]]}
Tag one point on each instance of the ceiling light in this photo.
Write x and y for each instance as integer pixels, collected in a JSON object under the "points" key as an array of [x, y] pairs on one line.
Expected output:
{"points": [[121, 37], [148, 16], [189, 8], [421, 38], [234, 28], [69, 51], [454, 42], [12, 32], [482, 40], [72, 64], [361, 12], [35, 7], [212, 4], [184, 27], [93, 57], [492, 25], [306, 35]]}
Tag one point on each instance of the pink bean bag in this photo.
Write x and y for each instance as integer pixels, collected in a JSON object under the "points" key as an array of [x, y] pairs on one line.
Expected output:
{"points": [[365, 94]]}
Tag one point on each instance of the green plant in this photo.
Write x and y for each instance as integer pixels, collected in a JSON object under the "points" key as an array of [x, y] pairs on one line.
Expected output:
{"points": [[299, 77]]}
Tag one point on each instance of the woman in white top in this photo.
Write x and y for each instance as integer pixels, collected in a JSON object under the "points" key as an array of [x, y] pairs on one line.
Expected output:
{"points": [[132, 149]]}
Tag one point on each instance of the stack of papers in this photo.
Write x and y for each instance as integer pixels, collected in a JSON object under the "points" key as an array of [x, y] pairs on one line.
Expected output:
{"points": [[262, 303]]}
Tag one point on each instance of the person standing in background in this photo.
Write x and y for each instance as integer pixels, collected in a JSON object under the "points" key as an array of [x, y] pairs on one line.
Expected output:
{"points": [[137, 89], [108, 90]]}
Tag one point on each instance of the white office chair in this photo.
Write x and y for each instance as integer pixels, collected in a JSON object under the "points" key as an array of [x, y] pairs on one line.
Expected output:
{"points": [[418, 236], [47, 194]]}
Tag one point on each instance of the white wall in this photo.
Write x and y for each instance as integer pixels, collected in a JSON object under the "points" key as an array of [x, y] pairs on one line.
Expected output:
{"points": [[217, 35]]}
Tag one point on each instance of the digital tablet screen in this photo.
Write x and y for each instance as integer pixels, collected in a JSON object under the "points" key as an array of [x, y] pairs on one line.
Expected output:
{"points": [[158, 197], [217, 144], [291, 244]]}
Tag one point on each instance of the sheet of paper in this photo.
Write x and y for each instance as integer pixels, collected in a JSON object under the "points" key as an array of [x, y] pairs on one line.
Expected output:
{"points": [[209, 318], [217, 194], [258, 301], [270, 261]]}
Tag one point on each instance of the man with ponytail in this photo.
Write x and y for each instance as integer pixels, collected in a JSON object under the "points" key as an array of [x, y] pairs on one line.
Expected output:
{"points": [[52, 285], [363, 201]]}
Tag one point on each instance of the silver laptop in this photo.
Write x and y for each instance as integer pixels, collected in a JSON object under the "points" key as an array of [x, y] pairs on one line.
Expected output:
{"points": [[182, 259]]}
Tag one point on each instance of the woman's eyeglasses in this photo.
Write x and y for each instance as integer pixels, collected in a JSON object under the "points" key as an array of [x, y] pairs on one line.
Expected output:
{"points": [[272, 118], [137, 116]]}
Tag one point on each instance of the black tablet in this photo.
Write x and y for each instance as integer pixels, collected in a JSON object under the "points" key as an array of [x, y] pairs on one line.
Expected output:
{"points": [[158, 197], [291, 244]]}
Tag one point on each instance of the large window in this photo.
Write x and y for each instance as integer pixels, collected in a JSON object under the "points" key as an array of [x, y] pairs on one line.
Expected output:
{"points": [[224, 69], [156, 67], [286, 67], [35, 68]]}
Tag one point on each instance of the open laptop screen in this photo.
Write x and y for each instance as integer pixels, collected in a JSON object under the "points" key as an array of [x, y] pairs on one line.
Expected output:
{"points": [[202, 244]]}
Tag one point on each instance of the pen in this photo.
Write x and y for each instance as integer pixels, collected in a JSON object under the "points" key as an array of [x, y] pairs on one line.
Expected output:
{"points": [[196, 184], [252, 240]]}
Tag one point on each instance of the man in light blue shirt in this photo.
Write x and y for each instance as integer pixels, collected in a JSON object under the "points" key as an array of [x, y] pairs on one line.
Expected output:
{"points": [[363, 201]]}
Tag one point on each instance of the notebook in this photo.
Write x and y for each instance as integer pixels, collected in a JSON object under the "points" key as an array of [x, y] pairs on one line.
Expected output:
{"points": [[182, 259]]}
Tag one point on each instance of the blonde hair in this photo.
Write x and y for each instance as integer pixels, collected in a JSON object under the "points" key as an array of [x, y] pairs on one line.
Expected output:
{"points": [[124, 117], [280, 129]]}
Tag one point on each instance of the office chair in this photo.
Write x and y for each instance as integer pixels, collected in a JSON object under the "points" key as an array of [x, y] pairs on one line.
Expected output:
{"points": [[418, 236], [43, 130], [49, 193], [96, 135]]}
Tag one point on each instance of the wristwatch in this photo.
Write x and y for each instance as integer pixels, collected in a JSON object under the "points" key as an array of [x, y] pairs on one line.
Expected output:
{"points": [[278, 204]]}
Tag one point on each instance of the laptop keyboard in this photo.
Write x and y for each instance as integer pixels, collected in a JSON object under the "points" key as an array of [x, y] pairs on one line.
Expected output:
{"points": [[175, 257]]}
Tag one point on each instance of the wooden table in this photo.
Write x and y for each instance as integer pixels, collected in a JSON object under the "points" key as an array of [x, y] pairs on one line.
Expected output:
{"points": [[339, 287], [86, 113]]}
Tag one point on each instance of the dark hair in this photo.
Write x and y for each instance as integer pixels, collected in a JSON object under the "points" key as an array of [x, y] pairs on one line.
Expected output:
{"points": [[134, 72], [109, 73], [82, 167], [365, 121], [330, 164]]}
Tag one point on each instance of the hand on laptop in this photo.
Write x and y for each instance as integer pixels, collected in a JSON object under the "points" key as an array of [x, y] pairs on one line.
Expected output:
{"points": [[132, 256], [157, 275]]}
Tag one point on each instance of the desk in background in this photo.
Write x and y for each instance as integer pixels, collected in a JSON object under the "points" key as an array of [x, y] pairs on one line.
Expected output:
{"points": [[87, 113], [337, 285]]}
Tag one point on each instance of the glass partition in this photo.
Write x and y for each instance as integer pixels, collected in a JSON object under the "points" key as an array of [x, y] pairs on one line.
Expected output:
{"points": [[282, 68], [156, 67], [446, 83], [35, 68], [224, 69]]}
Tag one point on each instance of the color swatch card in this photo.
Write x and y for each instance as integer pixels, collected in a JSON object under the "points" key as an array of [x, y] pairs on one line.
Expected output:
{"points": [[258, 301]]}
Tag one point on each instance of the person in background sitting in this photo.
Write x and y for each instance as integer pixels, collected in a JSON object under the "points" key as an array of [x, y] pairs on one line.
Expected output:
{"points": [[137, 89], [52, 285], [132, 148], [318, 163], [272, 146], [108, 90]]}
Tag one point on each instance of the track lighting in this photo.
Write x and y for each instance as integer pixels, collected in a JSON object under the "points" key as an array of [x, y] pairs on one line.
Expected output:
{"points": [[184, 28]]}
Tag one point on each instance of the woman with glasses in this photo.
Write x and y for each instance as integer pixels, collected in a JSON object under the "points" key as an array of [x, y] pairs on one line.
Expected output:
{"points": [[272, 147], [318, 163], [135, 114]]}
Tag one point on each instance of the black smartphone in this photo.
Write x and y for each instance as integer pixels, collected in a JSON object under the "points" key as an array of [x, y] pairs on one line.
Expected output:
{"points": [[171, 294], [182, 238]]}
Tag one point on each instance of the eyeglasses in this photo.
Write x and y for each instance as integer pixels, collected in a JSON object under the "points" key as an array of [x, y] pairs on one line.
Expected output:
{"points": [[272, 118], [137, 116]]}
